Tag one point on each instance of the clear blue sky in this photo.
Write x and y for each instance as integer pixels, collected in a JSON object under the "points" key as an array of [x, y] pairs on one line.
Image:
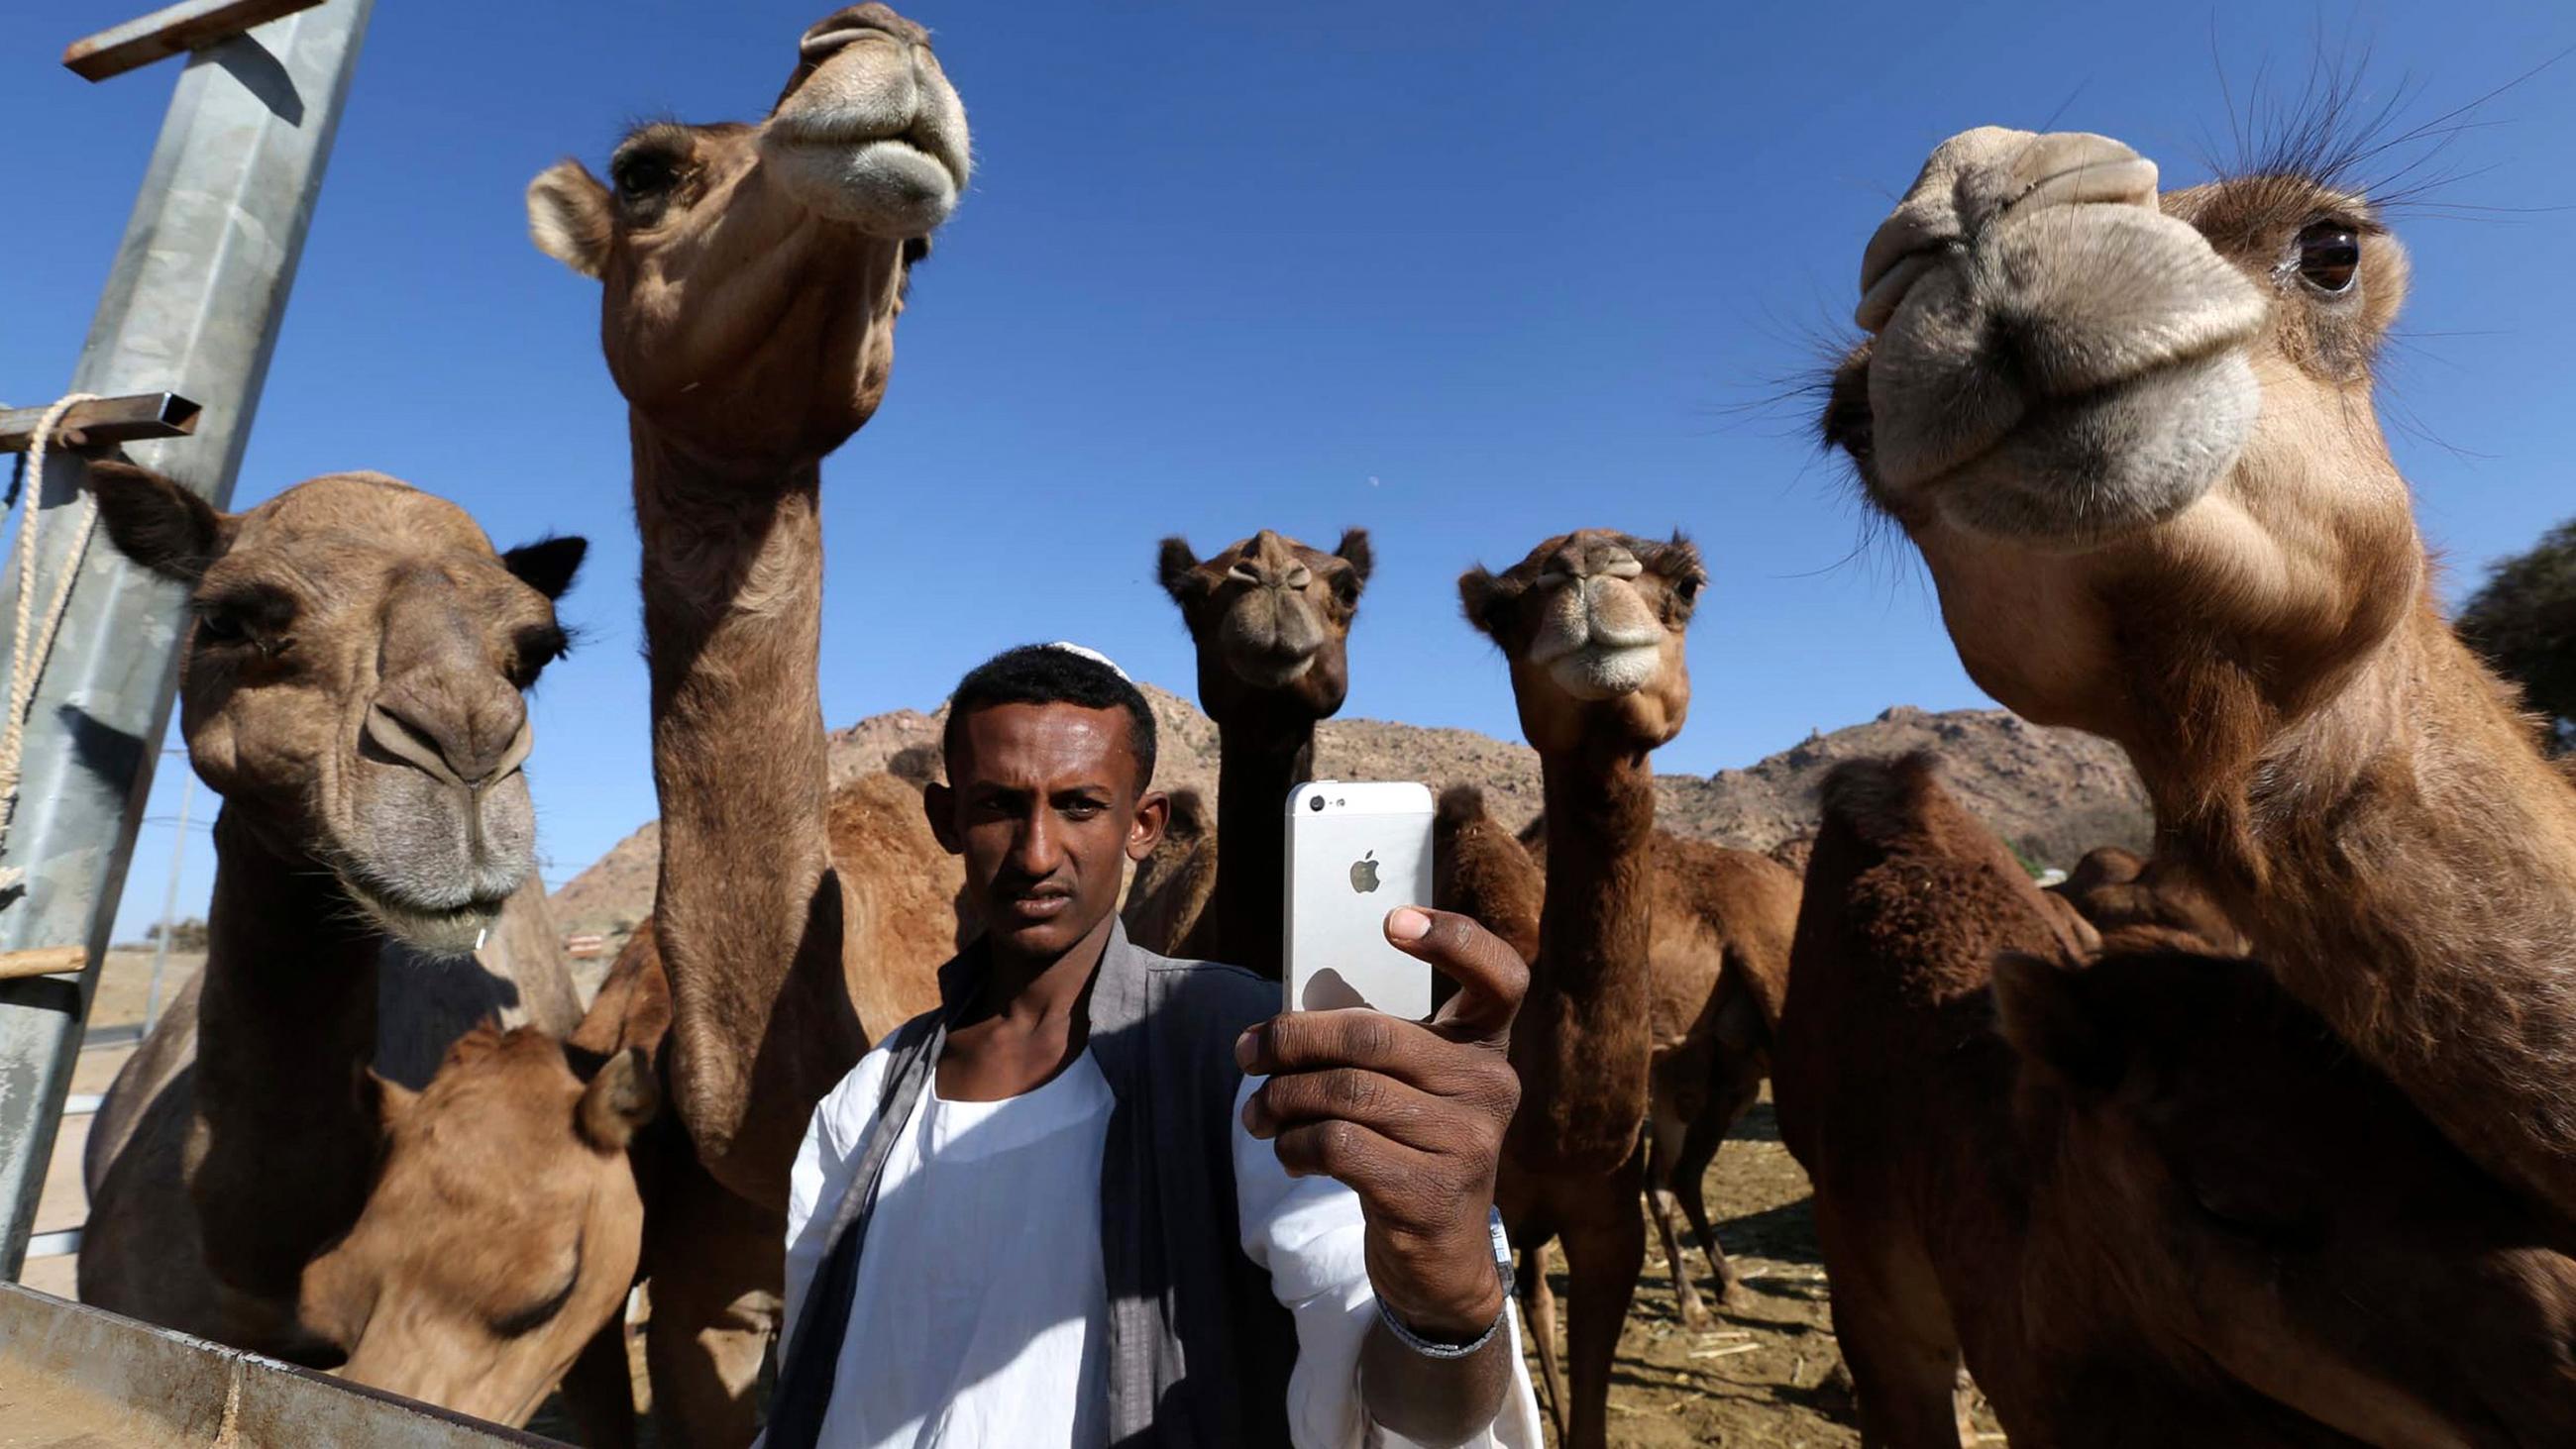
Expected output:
{"points": [[1468, 275]]}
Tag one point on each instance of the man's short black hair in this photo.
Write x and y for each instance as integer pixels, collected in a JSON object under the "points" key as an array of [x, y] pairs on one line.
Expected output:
{"points": [[1054, 674]]}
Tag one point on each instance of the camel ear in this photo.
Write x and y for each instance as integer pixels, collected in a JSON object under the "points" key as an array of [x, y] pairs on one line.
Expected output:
{"points": [[1482, 596], [618, 1102], [1354, 550], [570, 216], [2040, 1006], [394, 1101], [157, 522], [1177, 567], [548, 565]]}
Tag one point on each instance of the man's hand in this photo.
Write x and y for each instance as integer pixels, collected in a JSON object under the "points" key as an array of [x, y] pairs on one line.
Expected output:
{"points": [[1410, 1115]]}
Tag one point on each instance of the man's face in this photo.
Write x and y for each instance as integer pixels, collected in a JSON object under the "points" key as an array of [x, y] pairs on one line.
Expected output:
{"points": [[1042, 802]]}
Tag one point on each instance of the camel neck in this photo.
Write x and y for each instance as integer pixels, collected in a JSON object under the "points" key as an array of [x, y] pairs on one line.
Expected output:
{"points": [[1256, 768], [2405, 857], [748, 915], [286, 1026], [1583, 1037]]}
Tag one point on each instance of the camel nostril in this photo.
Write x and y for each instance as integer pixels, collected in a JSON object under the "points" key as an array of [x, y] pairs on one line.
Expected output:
{"points": [[448, 754]]}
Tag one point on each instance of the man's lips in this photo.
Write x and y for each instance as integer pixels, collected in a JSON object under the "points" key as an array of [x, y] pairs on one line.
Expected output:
{"points": [[1039, 905]]}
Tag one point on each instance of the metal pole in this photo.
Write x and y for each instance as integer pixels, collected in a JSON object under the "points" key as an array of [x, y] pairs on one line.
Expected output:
{"points": [[192, 306], [169, 900]]}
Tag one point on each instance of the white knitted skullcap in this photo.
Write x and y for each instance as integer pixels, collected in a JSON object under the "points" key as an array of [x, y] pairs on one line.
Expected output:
{"points": [[1094, 655]]}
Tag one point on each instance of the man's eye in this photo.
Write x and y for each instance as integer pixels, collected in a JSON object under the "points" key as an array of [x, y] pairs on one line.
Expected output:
{"points": [[1083, 809]]}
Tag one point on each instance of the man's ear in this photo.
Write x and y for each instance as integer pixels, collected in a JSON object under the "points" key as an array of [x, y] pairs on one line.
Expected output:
{"points": [[939, 807], [548, 565], [1176, 565], [2041, 1008], [570, 216], [1145, 829], [157, 522]]}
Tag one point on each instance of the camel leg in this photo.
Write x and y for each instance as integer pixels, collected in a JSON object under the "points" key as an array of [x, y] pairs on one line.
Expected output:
{"points": [[599, 1389], [714, 1267], [1895, 1337], [1665, 1138], [1605, 1251], [1735, 1095], [1538, 1306]]}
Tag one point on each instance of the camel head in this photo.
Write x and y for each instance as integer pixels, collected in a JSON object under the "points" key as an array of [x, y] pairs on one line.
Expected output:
{"points": [[2268, 1204], [354, 682], [1272, 622], [752, 274], [503, 1230], [1593, 624], [2132, 433]]}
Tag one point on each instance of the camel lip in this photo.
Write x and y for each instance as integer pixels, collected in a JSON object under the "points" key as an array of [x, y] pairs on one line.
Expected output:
{"points": [[447, 930], [1271, 671], [841, 130], [2042, 414], [1599, 672]]}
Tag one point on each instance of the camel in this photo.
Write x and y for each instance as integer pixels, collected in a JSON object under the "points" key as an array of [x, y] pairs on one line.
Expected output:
{"points": [[2151, 1201], [1168, 890], [352, 689], [2132, 435], [500, 1234], [1271, 618], [751, 279], [1592, 625]]}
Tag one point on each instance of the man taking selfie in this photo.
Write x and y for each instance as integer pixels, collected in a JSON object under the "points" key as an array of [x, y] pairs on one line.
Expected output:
{"points": [[1104, 1198]]}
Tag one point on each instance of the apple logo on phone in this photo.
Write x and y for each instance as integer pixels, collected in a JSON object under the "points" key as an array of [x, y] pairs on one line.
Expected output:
{"points": [[1364, 873]]}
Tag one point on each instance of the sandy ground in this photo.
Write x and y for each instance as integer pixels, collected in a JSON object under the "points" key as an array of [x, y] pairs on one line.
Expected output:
{"points": [[1763, 1375]]}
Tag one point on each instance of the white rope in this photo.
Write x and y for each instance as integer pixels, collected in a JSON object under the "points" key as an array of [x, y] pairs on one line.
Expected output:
{"points": [[30, 646]]}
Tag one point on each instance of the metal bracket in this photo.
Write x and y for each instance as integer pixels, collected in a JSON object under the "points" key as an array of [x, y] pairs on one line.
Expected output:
{"points": [[106, 420], [190, 25]]}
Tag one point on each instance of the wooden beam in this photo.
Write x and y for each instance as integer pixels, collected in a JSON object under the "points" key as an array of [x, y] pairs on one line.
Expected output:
{"points": [[42, 961], [106, 420], [188, 25]]}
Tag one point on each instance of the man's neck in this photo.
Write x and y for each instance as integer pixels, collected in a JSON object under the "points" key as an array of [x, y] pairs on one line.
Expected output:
{"points": [[1028, 1021]]}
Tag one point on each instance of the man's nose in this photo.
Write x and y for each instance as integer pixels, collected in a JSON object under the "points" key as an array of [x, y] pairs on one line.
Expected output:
{"points": [[1035, 850]]}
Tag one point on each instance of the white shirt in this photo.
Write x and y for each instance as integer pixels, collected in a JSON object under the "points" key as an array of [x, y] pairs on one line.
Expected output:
{"points": [[1006, 1345]]}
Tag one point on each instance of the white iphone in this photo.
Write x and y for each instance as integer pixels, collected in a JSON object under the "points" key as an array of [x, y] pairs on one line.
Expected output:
{"points": [[1356, 850]]}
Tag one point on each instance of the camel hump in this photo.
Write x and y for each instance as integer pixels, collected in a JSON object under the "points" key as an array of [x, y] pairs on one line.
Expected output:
{"points": [[1460, 805], [1885, 800]]}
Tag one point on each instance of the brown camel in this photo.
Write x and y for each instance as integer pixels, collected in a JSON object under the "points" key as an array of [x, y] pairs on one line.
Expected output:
{"points": [[501, 1232], [2133, 437], [1272, 620], [2162, 1205], [752, 276], [352, 689], [1592, 624], [2117, 891], [1723, 920]]}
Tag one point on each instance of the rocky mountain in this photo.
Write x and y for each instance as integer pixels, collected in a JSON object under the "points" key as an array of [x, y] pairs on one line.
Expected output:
{"points": [[2053, 793]]}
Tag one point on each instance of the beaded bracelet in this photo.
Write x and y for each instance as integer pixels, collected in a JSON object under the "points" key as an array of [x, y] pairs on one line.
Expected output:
{"points": [[1502, 1269]]}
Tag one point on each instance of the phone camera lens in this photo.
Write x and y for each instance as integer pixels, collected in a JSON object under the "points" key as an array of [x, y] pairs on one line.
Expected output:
{"points": [[1315, 802]]}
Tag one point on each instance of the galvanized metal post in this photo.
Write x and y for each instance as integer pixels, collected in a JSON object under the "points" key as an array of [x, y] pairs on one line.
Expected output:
{"points": [[192, 306]]}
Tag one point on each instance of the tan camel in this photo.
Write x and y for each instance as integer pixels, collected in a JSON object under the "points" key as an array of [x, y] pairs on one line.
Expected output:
{"points": [[1169, 889], [1272, 620], [2163, 1205], [752, 276], [352, 689], [500, 1235], [2133, 437], [1592, 624]]}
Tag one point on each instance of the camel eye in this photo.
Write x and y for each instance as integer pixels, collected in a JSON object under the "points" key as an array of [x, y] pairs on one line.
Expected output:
{"points": [[2329, 256], [642, 175], [1688, 588]]}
